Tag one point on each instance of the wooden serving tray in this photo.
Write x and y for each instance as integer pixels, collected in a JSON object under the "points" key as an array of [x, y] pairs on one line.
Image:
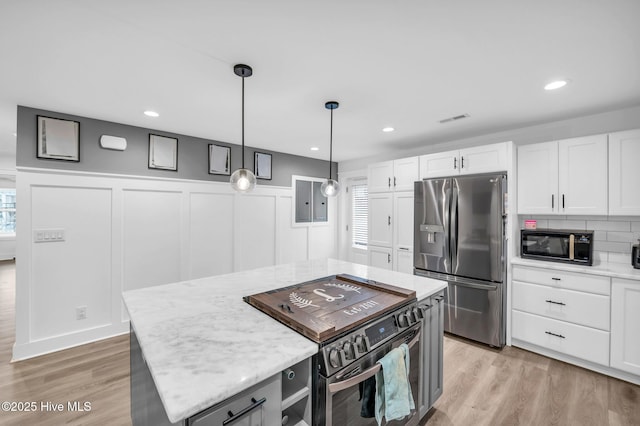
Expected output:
{"points": [[325, 307]]}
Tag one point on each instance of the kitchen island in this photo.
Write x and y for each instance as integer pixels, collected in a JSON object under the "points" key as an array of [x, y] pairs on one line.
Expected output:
{"points": [[202, 344]]}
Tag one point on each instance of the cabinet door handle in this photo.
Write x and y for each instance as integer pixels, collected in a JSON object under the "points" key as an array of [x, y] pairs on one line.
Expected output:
{"points": [[394, 181], [388, 258], [455, 163], [563, 201], [552, 201], [556, 303], [554, 334], [556, 279], [233, 417], [461, 162], [389, 183], [388, 220]]}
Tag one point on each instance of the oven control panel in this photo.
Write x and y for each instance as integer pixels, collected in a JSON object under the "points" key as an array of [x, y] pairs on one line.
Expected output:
{"points": [[346, 349]]}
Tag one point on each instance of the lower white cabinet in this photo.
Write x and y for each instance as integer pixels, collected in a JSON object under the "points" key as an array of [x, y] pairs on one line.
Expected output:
{"points": [[625, 325], [380, 257], [565, 312], [403, 260], [581, 342]]}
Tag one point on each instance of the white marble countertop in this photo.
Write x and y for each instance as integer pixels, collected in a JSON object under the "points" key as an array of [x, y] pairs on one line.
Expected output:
{"points": [[614, 270], [203, 343]]}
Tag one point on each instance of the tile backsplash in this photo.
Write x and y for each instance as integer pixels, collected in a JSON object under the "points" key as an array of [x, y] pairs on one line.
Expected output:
{"points": [[613, 235]]}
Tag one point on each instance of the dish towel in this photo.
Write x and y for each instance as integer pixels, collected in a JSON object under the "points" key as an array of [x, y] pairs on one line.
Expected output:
{"points": [[394, 399]]}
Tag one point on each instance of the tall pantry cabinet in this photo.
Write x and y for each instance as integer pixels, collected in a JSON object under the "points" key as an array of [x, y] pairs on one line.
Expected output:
{"points": [[391, 213]]}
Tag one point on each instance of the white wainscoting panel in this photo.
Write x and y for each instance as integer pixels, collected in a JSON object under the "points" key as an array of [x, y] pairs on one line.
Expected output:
{"points": [[75, 272], [292, 240], [211, 234], [127, 232], [152, 238], [255, 231]]}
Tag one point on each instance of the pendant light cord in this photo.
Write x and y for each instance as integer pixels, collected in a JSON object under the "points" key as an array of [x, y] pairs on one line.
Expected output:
{"points": [[243, 121], [331, 143]]}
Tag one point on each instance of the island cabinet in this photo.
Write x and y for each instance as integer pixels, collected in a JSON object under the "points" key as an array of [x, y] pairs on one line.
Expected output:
{"points": [[257, 405], [568, 177], [431, 361], [563, 312], [296, 395]]}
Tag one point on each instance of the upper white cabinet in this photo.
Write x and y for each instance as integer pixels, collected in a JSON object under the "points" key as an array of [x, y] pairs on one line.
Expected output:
{"points": [[480, 159], [625, 325], [624, 173], [395, 175], [564, 177]]}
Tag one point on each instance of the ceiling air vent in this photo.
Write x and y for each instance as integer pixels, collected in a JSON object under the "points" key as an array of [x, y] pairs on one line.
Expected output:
{"points": [[457, 117]]}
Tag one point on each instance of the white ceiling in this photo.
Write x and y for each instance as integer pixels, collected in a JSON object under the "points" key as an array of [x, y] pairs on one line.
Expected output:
{"points": [[401, 63]]}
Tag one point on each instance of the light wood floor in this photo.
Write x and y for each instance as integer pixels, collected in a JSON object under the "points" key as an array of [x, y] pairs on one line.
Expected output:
{"points": [[483, 386]]}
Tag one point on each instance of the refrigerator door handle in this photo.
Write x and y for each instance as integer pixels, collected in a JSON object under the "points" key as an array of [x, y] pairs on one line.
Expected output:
{"points": [[446, 222], [453, 233]]}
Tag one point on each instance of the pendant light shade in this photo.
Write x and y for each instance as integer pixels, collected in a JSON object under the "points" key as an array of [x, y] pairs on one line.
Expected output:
{"points": [[330, 188], [243, 180]]}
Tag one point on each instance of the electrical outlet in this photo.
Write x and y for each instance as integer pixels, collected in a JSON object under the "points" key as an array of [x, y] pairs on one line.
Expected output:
{"points": [[81, 313]]}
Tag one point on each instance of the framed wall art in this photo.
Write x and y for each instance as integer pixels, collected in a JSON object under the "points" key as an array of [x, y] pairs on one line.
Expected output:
{"points": [[262, 165], [163, 152], [58, 139], [219, 160]]}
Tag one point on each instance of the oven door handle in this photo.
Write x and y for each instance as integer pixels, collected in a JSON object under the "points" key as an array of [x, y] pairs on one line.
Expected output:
{"points": [[352, 381]]}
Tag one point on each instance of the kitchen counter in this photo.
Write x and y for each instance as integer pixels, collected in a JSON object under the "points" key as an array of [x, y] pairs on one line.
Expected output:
{"points": [[202, 343], [614, 270]]}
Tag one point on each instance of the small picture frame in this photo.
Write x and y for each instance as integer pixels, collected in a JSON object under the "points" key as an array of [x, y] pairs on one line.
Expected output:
{"points": [[262, 165], [163, 152], [58, 139], [219, 160]]}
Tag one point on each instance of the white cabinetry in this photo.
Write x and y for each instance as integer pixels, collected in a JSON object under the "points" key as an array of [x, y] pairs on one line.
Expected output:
{"points": [[625, 325], [624, 173], [396, 175], [380, 224], [566, 177], [480, 159], [564, 312], [380, 257], [391, 231]]}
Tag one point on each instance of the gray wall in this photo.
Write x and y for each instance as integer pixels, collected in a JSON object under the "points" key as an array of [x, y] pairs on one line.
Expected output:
{"points": [[192, 152]]}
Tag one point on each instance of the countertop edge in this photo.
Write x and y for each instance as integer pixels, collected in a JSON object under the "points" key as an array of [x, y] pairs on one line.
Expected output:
{"points": [[606, 269]]}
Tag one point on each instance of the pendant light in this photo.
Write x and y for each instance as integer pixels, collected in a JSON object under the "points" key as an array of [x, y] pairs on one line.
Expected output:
{"points": [[331, 187], [243, 180]]}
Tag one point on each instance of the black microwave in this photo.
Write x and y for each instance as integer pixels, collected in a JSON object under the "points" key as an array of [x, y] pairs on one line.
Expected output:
{"points": [[557, 245]]}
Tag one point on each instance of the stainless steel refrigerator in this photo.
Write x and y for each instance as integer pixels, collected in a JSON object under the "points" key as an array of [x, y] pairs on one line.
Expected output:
{"points": [[459, 237]]}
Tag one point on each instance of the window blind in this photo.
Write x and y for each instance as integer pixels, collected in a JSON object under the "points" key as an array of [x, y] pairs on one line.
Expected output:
{"points": [[360, 214]]}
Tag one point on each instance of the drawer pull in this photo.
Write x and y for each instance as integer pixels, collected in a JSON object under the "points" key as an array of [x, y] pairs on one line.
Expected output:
{"points": [[233, 417], [556, 303], [554, 334], [556, 279]]}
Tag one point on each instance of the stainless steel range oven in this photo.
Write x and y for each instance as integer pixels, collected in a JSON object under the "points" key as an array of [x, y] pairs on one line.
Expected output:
{"points": [[340, 387], [356, 322]]}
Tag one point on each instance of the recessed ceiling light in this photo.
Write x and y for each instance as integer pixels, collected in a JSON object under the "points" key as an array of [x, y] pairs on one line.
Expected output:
{"points": [[151, 114], [14, 134], [555, 85], [388, 129], [314, 148]]}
